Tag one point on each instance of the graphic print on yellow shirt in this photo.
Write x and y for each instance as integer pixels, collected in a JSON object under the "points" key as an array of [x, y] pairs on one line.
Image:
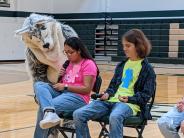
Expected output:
{"points": [[126, 88]]}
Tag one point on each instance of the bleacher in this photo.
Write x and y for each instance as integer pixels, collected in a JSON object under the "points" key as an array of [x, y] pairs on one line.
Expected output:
{"points": [[87, 33], [166, 37]]}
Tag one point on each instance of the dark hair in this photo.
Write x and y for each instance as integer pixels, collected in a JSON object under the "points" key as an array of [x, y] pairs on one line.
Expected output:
{"points": [[141, 42], [76, 44]]}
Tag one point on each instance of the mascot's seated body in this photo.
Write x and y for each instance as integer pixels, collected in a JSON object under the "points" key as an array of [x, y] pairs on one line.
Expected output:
{"points": [[44, 38]]}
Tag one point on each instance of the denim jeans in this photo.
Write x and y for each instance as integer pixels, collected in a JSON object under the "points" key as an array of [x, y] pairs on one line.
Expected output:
{"points": [[169, 122], [97, 109], [49, 98]]}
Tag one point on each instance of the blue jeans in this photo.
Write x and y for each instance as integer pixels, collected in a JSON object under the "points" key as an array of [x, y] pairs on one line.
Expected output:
{"points": [[169, 122], [49, 98], [97, 109]]}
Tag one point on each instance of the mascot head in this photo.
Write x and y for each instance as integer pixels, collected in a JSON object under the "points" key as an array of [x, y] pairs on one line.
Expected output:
{"points": [[45, 37], [41, 34]]}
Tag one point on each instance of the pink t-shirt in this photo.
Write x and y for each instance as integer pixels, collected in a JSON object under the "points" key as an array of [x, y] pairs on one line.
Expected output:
{"points": [[75, 75]]}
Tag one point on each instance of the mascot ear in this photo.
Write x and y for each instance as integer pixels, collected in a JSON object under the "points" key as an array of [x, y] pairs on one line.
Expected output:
{"points": [[22, 31]]}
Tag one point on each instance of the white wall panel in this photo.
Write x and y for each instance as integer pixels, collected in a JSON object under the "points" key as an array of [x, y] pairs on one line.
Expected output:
{"points": [[143, 5], [11, 47], [79, 6]]}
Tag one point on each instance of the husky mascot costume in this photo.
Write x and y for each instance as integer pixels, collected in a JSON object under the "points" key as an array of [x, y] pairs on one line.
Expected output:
{"points": [[44, 39]]}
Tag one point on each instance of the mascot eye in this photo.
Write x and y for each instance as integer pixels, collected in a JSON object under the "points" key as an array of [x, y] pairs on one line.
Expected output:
{"points": [[40, 26], [43, 28]]}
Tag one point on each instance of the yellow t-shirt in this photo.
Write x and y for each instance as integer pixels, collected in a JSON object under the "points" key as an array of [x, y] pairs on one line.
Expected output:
{"points": [[126, 88]]}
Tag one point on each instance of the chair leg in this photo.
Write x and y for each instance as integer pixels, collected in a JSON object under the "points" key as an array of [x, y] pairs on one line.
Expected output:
{"points": [[73, 134], [104, 132], [140, 131], [63, 133]]}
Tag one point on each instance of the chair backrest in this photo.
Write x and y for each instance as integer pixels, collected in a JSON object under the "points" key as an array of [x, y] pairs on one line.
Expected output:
{"points": [[97, 85], [152, 100]]}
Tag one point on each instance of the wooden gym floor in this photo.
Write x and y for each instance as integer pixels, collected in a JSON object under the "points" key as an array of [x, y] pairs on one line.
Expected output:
{"points": [[18, 109]]}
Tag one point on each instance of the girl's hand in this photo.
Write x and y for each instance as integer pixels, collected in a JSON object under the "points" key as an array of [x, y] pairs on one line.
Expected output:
{"points": [[123, 98], [104, 97], [58, 86]]}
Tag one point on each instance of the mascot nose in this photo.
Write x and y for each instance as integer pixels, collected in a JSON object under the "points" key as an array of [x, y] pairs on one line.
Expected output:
{"points": [[46, 45]]}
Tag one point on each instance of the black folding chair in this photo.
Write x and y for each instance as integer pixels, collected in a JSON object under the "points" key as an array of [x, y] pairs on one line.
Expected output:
{"points": [[68, 116], [136, 122]]}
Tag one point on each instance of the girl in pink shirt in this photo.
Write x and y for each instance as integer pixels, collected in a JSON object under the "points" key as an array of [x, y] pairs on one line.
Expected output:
{"points": [[72, 91], [75, 74]]}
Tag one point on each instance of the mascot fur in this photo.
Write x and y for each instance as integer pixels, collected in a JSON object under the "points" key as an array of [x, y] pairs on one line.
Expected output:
{"points": [[44, 38]]}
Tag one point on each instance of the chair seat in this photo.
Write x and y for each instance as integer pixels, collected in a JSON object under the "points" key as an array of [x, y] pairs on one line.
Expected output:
{"points": [[130, 121], [133, 121]]}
